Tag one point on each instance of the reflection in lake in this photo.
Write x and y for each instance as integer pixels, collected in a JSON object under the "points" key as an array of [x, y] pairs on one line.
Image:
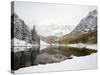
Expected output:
{"points": [[24, 58], [50, 54]]}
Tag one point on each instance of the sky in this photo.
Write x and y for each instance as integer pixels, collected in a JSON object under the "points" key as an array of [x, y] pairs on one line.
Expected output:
{"points": [[47, 15]]}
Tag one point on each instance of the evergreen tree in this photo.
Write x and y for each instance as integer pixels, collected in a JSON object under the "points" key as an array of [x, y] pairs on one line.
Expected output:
{"points": [[23, 30]]}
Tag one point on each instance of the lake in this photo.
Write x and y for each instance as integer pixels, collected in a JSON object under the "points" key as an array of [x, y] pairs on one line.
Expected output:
{"points": [[48, 55]]}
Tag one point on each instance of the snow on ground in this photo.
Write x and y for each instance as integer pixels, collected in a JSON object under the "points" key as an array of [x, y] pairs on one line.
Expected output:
{"points": [[20, 45], [43, 45], [18, 42], [78, 63], [81, 45]]}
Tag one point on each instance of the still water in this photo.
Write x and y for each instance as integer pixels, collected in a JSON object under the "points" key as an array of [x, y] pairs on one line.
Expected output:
{"points": [[35, 56]]}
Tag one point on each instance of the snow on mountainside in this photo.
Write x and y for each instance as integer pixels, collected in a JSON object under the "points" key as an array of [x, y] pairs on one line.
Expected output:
{"points": [[61, 30], [54, 30], [85, 31], [21, 31], [19, 28], [87, 24]]}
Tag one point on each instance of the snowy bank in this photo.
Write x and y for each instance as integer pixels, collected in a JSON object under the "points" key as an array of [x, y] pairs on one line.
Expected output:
{"points": [[78, 63], [81, 45], [18, 42], [43, 45], [21, 45]]}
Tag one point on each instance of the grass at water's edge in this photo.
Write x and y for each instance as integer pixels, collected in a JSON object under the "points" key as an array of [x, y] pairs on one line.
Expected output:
{"points": [[85, 38]]}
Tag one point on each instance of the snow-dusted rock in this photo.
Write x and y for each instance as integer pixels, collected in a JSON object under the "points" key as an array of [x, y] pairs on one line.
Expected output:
{"points": [[87, 24]]}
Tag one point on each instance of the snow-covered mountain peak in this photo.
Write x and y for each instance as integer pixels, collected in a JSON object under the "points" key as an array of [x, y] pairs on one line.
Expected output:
{"points": [[87, 24]]}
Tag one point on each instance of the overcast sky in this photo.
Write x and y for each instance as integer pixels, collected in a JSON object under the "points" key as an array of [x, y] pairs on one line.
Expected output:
{"points": [[44, 14]]}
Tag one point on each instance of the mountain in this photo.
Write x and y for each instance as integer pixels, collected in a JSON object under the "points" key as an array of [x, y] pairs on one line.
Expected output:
{"points": [[53, 32], [85, 31], [52, 39], [87, 24], [51, 29], [20, 30], [49, 39]]}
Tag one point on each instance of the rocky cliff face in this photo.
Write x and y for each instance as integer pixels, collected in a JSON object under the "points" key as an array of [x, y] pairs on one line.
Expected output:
{"points": [[87, 24], [85, 31]]}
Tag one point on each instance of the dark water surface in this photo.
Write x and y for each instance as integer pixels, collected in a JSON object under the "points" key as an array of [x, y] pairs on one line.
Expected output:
{"points": [[35, 56]]}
